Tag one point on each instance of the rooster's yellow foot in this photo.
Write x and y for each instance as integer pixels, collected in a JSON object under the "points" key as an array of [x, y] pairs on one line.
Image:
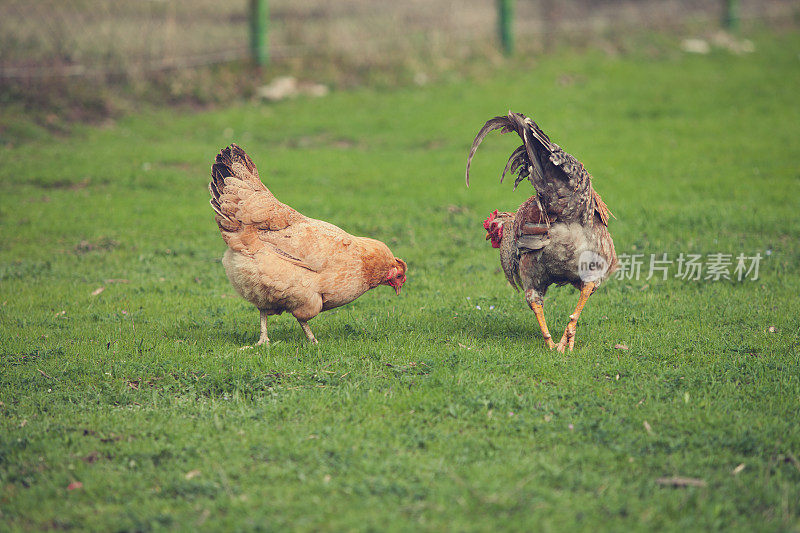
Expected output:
{"points": [[568, 339]]}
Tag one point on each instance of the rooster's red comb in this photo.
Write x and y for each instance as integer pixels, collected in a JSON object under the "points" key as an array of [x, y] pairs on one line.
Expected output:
{"points": [[488, 222]]}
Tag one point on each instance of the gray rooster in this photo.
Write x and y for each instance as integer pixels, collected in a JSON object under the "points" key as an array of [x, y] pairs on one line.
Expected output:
{"points": [[560, 234]]}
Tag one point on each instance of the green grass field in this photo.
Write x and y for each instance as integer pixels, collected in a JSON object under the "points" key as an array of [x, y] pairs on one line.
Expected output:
{"points": [[440, 409]]}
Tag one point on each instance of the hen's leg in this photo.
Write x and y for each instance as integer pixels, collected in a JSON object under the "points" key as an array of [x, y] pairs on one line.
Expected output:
{"points": [[263, 339], [568, 339], [535, 303], [307, 330]]}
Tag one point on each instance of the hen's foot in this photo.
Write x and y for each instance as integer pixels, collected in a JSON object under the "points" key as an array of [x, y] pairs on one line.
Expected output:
{"points": [[307, 330], [263, 339]]}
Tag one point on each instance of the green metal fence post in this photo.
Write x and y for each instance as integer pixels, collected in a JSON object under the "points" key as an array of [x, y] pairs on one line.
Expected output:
{"points": [[731, 20], [505, 16], [259, 22]]}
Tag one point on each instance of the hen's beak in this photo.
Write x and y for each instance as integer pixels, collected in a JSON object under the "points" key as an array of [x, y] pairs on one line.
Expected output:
{"points": [[397, 289]]}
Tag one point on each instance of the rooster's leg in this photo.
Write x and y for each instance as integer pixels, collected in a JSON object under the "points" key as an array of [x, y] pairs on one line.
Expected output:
{"points": [[307, 331], [568, 339], [535, 303]]}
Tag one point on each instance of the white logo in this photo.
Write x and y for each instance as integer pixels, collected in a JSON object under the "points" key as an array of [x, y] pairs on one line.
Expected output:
{"points": [[592, 266]]}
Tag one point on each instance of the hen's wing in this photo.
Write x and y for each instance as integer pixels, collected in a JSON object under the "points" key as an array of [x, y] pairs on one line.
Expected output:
{"points": [[562, 184], [252, 220]]}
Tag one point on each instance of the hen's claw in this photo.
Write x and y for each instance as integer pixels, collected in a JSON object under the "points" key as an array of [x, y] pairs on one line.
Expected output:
{"points": [[263, 340], [307, 330]]}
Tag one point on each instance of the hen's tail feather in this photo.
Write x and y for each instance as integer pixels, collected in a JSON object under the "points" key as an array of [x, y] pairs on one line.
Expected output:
{"points": [[226, 164], [233, 155], [233, 162]]}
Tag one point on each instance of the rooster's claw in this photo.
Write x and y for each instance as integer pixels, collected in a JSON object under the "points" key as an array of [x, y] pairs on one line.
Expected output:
{"points": [[568, 339]]}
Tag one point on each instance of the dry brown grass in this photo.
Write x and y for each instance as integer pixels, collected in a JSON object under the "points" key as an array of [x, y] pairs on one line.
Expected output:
{"points": [[126, 39], [87, 60]]}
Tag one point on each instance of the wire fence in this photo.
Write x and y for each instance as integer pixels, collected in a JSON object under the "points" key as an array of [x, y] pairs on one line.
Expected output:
{"points": [[109, 39]]}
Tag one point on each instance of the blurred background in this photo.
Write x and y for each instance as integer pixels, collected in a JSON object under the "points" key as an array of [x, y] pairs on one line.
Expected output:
{"points": [[88, 59]]}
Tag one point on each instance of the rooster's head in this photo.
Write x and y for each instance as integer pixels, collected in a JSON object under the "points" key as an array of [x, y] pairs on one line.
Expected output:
{"points": [[494, 226]]}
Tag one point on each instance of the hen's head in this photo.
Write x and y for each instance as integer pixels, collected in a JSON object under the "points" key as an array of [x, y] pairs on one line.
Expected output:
{"points": [[494, 226], [396, 275]]}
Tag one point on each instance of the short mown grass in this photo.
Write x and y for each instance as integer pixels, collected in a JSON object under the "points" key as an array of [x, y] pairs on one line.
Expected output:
{"points": [[440, 409]]}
